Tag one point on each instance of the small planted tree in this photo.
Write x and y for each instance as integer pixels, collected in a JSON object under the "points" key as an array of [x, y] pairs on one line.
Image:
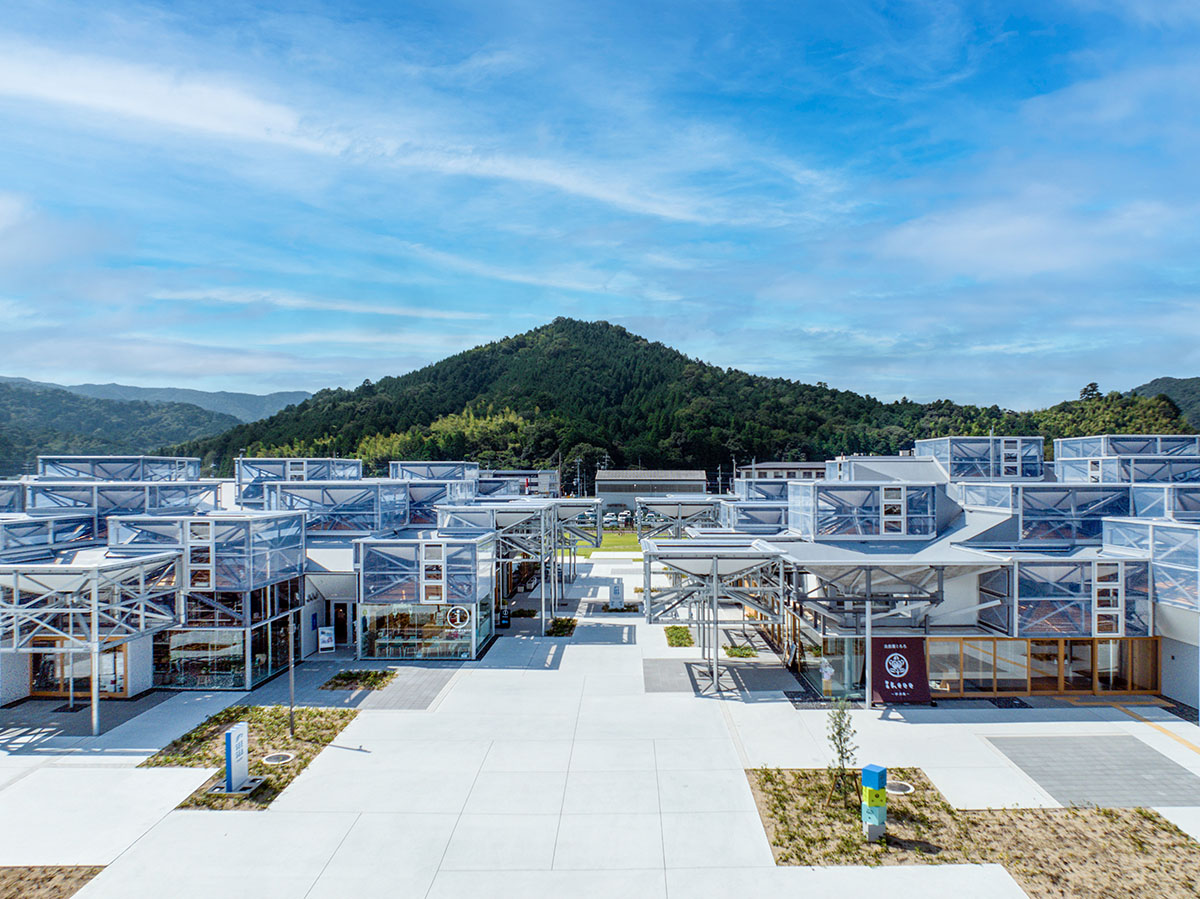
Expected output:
{"points": [[839, 729]]}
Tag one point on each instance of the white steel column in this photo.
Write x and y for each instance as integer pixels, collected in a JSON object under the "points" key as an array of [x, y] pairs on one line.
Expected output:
{"points": [[716, 637], [94, 646]]}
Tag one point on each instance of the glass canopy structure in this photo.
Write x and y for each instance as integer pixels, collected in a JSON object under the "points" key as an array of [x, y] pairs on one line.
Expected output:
{"points": [[251, 474], [346, 507], [242, 575], [991, 458], [426, 596], [119, 468]]}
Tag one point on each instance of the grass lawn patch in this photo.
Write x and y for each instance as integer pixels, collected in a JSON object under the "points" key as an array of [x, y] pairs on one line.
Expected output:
{"points": [[367, 679], [204, 747], [524, 613], [614, 542], [678, 635], [1068, 852], [741, 652], [562, 627], [44, 881]]}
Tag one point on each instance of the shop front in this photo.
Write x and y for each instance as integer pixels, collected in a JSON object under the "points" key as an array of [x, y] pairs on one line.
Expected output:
{"points": [[984, 666]]}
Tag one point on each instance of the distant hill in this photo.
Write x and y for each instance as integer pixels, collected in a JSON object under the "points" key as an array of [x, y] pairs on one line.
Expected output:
{"points": [[242, 406], [1184, 392], [47, 420], [583, 390]]}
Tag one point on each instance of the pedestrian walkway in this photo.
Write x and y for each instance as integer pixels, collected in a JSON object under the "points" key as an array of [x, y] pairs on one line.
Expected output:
{"points": [[553, 767]]}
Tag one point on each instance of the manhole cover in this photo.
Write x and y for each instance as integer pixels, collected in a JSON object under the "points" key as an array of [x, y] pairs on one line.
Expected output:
{"points": [[282, 758], [899, 787]]}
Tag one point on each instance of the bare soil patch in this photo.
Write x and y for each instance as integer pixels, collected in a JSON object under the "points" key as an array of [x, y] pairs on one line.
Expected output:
{"points": [[44, 882], [366, 679], [204, 747], [1097, 853]]}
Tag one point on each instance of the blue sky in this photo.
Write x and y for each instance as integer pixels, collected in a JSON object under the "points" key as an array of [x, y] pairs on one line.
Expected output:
{"points": [[992, 202]]}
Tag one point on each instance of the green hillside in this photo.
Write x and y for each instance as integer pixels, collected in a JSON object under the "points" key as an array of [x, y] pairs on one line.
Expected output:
{"points": [[242, 406], [1184, 392], [44, 420], [573, 389]]}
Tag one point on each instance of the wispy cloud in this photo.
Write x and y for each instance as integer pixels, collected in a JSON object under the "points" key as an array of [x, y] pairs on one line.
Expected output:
{"points": [[241, 296]]}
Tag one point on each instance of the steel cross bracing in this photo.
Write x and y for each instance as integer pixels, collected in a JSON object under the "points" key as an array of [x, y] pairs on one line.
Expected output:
{"points": [[707, 577], [677, 515], [88, 608]]}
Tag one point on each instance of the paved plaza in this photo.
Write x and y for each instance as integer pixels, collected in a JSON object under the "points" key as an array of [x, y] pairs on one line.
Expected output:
{"points": [[550, 767]]}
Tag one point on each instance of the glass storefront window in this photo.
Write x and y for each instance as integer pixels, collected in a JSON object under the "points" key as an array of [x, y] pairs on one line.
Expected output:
{"points": [[1043, 666], [945, 666], [1078, 665], [203, 659], [979, 666], [1012, 666], [414, 631]]}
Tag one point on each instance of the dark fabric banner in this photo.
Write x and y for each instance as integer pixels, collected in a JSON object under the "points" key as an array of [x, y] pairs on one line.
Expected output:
{"points": [[898, 670]]}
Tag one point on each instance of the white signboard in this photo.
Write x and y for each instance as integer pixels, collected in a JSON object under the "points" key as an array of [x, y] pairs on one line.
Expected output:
{"points": [[325, 639], [617, 597], [237, 757]]}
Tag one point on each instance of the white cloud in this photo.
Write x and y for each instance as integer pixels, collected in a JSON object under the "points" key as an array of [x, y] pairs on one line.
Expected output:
{"points": [[218, 106], [243, 296], [173, 99], [1034, 234]]}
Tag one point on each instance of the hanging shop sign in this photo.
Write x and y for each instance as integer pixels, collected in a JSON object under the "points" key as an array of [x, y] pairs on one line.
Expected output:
{"points": [[899, 673]]}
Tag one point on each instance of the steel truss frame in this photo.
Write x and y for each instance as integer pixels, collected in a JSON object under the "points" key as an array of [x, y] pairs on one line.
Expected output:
{"points": [[678, 513], [88, 607], [705, 576]]}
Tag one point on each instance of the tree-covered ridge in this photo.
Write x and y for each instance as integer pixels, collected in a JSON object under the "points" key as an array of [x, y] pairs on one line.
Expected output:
{"points": [[1184, 393], [582, 389], [43, 420]]}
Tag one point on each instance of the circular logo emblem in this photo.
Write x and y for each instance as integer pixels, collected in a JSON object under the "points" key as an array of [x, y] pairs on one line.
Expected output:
{"points": [[460, 616], [896, 665]]}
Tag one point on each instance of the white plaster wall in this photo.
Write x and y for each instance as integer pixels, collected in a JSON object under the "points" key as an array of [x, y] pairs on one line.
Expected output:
{"points": [[14, 676], [139, 665], [1179, 659], [961, 595]]}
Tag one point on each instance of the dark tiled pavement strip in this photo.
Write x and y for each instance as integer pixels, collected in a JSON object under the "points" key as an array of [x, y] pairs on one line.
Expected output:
{"points": [[691, 676], [415, 686], [50, 717], [1115, 771]]}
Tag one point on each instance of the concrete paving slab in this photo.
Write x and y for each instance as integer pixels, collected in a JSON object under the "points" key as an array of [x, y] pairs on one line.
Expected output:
{"points": [[513, 793], [85, 816], [198, 855], [386, 856], [705, 791], [715, 840], [549, 884], [502, 843], [610, 792], [1004, 786], [528, 755], [696, 755], [601, 842], [613, 755]]}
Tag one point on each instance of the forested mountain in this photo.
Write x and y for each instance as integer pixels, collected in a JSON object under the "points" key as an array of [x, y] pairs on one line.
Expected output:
{"points": [[45, 420], [242, 406], [573, 389], [1184, 393]]}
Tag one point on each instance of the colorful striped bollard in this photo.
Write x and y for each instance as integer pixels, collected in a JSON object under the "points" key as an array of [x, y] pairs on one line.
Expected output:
{"points": [[874, 802]]}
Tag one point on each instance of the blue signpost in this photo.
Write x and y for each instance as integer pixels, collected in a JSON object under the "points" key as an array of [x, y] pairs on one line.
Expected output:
{"points": [[237, 757]]}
